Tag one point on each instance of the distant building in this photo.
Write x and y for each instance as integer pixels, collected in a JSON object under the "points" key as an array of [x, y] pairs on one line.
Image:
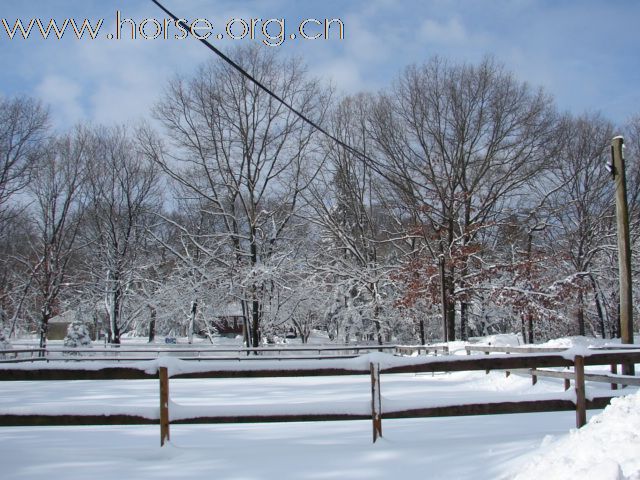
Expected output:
{"points": [[58, 325], [228, 320]]}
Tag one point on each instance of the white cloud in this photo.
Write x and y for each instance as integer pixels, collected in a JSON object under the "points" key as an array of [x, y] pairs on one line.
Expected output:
{"points": [[111, 81], [63, 95], [344, 73], [449, 32]]}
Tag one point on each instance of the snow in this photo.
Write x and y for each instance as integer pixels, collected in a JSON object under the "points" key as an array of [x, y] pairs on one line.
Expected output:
{"points": [[501, 340], [520, 446], [477, 447], [607, 448], [575, 342]]}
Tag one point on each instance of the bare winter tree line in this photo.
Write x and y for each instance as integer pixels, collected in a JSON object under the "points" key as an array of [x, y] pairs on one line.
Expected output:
{"points": [[475, 208]]}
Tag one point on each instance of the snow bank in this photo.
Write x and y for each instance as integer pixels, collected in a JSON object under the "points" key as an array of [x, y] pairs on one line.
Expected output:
{"points": [[607, 448], [577, 342], [499, 340]]}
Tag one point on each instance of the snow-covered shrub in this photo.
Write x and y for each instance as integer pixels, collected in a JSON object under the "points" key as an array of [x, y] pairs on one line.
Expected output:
{"points": [[4, 342], [77, 336]]}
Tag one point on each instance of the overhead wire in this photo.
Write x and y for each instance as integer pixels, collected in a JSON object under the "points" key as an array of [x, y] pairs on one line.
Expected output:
{"points": [[243, 72]]}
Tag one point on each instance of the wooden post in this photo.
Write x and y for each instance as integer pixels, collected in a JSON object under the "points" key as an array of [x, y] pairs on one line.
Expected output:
{"points": [[376, 401], [624, 247], [507, 372], [164, 405], [581, 400], [614, 370], [487, 370], [534, 378], [567, 384]]}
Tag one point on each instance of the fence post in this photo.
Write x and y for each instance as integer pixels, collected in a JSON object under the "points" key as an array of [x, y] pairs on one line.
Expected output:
{"points": [[376, 402], [507, 372], [164, 404], [534, 377], [614, 370], [487, 370], [581, 401]]}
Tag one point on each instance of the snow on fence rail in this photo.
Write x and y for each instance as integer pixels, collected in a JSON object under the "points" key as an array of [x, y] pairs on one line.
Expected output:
{"points": [[118, 353], [418, 349], [614, 379], [508, 349], [537, 349], [373, 364]]}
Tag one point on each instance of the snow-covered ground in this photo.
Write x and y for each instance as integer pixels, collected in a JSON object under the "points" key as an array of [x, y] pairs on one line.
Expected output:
{"points": [[543, 445], [607, 448], [488, 447]]}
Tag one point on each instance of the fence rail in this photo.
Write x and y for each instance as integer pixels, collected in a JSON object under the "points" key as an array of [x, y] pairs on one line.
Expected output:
{"points": [[120, 353], [537, 349], [418, 349], [509, 349]]}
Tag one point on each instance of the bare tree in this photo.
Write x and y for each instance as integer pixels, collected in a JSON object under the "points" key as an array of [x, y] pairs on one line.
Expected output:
{"points": [[583, 207], [459, 142], [57, 189], [23, 127], [243, 154], [347, 209], [16, 233], [123, 195]]}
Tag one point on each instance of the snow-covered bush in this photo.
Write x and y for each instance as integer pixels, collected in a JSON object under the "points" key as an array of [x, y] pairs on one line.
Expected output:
{"points": [[77, 336], [4, 342]]}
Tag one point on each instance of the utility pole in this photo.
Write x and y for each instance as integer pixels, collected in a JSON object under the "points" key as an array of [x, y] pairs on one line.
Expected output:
{"points": [[624, 246]]}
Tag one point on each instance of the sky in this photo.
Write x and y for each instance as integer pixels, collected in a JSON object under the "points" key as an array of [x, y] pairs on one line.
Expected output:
{"points": [[582, 52]]}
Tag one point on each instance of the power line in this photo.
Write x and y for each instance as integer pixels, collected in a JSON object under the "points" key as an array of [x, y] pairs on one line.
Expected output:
{"points": [[259, 84]]}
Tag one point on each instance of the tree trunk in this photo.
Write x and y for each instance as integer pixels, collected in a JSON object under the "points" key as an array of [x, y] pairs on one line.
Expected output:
{"points": [[192, 321], [443, 299], [464, 312], [378, 331], [530, 328], [376, 318], [45, 316], [246, 334], [44, 328], [255, 304], [115, 317], [451, 308], [423, 340], [113, 303], [255, 323], [580, 314], [152, 325], [599, 308]]}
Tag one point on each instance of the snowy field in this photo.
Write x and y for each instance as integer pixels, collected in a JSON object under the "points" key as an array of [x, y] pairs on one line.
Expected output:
{"points": [[523, 446], [477, 447], [486, 447]]}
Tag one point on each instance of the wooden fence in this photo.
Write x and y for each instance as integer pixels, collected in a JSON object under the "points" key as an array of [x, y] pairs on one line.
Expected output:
{"points": [[419, 349], [126, 353], [374, 365]]}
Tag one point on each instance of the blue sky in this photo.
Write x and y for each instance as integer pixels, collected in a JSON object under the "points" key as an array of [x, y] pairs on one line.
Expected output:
{"points": [[583, 52]]}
